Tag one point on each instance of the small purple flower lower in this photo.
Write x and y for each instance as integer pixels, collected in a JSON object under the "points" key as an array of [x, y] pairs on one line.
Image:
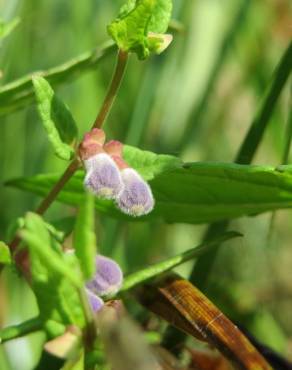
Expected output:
{"points": [[136, 199], [103, 177], [107, 281]]}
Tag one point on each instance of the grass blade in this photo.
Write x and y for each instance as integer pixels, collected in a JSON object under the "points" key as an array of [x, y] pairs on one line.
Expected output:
{"points": [[158, 268], [19, 93]]}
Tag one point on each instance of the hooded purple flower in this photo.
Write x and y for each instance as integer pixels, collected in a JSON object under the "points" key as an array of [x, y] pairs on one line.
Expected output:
{"points": [[108, 278], [136, 199], [103, 177], [95, 302]]}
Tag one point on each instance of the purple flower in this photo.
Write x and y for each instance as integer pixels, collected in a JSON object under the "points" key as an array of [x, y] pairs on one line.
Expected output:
{"points": [[95, 301], [107, 279], [103, 177], [136, 199]]}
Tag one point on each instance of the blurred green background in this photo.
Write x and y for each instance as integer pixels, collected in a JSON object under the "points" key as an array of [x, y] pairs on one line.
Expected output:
{"points": [[196, 100]]}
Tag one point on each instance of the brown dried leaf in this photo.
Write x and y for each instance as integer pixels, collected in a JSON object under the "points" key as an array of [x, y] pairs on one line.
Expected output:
{"points": [[184, 306], [208, 360]]}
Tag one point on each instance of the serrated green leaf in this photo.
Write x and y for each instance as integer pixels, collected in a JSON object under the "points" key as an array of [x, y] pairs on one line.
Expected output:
{"points": [[7, 27], [57, 119], [189, 193], [54, 279], [160, 16], [84, 237], [36, 235], [158, 268], [5, 256], [150, 164], [136, 19]]}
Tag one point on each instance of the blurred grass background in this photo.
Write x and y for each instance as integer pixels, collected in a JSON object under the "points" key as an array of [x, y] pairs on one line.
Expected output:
{"points": [[196, 100]]}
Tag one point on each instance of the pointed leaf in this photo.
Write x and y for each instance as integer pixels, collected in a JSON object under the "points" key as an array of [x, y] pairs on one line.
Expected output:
{"points": [[57, 119]]}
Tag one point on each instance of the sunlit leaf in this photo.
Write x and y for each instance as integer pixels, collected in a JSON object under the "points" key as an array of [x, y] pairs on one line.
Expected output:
{"points": [[5, 257], [136, 19], [54, 278]]}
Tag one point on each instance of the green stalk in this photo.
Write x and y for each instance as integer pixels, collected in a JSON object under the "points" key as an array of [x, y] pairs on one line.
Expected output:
{"points": [[20, 330], [259, 124]]}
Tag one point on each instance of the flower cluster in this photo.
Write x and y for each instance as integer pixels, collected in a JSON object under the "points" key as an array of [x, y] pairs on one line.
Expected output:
{"points": [[107, 281], [110, 177]]}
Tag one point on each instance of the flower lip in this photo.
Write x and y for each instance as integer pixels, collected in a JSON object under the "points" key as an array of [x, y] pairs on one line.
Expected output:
{"points": [[103, 177], [136, 199], [96, 303], [114, 148], [107, 279], [92, 143]]}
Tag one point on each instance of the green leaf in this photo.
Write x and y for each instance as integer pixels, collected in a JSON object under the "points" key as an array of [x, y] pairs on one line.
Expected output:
{"points": [[54, 277], [7, 27], [140, 276], [5, 257], [160, 16], [189, 193], [57, 119], [84, 237], [136, 19], [150, 164]]}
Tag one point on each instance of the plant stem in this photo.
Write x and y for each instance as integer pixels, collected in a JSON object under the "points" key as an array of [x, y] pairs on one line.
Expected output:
{"points": [[113, 89], [20, 330], [74, 165], [47, 201], [104, 110]]}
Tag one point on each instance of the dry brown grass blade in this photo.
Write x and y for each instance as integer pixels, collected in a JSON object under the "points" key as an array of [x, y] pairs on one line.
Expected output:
{"points": [[181, 304]]}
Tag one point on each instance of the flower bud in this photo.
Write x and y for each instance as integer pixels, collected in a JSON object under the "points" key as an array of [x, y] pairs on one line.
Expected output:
{"points": [[92, 144], [108, 277], [95, 302], [114, 148], [136, 199], [103, 177], [158, 42]]}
